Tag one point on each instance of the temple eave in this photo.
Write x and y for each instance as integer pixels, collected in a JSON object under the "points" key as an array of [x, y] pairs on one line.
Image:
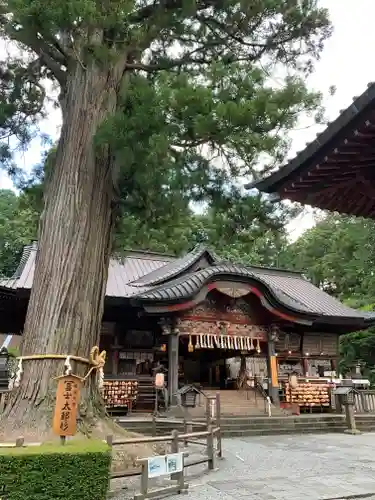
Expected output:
{"points": [[335, 171]]}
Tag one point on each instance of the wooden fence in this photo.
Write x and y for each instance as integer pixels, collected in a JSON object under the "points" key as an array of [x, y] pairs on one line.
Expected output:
{"points": [[364, 401], [212, 453], [204, 438], [175, 438], [3, 400]]}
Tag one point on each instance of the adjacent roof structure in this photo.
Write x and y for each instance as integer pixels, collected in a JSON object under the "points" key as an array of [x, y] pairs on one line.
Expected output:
{"points": [[336, 171], [5, 291], [121, 272], [144, 278]]}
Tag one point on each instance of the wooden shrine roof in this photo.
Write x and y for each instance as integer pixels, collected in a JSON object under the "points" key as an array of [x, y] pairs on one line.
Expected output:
{"points": [[145, 278], [5, 291], [289, 288], [336, 171]]}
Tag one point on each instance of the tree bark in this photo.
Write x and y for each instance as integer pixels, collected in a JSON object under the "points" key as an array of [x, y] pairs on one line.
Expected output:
{"points": [[242, 374], [67, 297]]}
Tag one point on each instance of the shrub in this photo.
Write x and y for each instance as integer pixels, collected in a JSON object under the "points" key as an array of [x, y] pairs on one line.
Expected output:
{"points": [[79, 470]]}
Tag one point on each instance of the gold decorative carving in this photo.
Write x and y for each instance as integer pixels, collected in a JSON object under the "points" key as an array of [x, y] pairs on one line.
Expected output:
{"points": [[233, 291]]}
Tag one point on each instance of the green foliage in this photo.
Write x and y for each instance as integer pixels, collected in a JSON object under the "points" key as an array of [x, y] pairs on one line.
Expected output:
{"points": [[50, 471], [338, 255], [203, 67], [21, 106], [243, 229], [18, 227], [197, 111], [163, 123], [13, 352], [358, 347]]}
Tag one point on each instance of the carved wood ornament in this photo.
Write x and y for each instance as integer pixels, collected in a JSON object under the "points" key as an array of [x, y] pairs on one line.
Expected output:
{"points": [[224, 325]]}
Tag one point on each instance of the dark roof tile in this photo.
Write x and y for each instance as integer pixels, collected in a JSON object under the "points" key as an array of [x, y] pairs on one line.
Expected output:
{"points": [[121, 272], [287, 288], [173, 269], [290, 289]]}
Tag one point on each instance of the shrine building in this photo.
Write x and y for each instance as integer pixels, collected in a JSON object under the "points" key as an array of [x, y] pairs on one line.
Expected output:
{"points": [[198, 315]]}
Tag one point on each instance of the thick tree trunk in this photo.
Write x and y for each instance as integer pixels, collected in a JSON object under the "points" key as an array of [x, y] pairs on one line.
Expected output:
{"points": [[242, 374], [67, 297]]}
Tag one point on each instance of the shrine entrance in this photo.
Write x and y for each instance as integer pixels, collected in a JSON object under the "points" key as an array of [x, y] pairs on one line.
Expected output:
{"points": [[206, 368], [219, 368], [214, 336]]}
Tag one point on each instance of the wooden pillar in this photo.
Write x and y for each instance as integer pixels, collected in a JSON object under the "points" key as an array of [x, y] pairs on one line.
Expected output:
{"points": [[350, 419], [172, 367], [334, 366], [116, 347], [273, 380], [305, 367], [115, 361]]}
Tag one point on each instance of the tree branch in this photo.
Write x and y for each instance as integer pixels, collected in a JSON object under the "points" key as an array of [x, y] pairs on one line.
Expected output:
{"points": [[48, 61], [48, 55], [145, 13]]}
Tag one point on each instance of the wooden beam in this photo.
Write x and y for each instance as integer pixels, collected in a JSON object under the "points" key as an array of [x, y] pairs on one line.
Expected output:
{"points": [[341, 160], [364, 135], [363, 206], [334, 189]]}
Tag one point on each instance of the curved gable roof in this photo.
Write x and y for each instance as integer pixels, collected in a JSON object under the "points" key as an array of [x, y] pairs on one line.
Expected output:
{"points": [[147, 278], [173, 269], [289, 289]]}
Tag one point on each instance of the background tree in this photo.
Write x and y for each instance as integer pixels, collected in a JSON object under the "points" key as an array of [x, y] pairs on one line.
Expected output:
{"points": [[338, 255], [358, 348], [212, 60], [18, 227]]}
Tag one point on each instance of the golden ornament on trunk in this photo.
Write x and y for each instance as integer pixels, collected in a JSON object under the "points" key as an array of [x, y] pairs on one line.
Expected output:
{"points": [[190, 345], [258, 346]]}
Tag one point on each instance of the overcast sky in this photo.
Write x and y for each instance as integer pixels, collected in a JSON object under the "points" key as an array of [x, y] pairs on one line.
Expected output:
{"points": [[345, 63]]}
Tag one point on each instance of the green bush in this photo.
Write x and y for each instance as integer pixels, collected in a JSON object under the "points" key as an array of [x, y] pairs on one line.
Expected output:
{"points": [[77, 471]]}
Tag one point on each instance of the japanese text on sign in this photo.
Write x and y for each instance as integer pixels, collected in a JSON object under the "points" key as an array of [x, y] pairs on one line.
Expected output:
{"points": [[67, 400]]}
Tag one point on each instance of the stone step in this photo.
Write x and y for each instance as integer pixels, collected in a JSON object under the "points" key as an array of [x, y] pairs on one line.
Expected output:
{"points": [[282, 431], [258, 428], [295, 428], [235, 395], [288, 418], [307, 417]]}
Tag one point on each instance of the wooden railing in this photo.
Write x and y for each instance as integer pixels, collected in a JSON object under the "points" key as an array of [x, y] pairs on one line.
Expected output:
{"points": [[204, 438], [259, 389], [211, 432], [364, 401], [3, 400]]}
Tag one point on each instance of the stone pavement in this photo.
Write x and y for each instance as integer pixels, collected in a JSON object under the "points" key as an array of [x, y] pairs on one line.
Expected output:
{"points": [[293, 467]]}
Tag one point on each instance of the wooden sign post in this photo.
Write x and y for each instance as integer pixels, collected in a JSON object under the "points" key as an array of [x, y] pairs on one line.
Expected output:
{"points": [[67, 400]]}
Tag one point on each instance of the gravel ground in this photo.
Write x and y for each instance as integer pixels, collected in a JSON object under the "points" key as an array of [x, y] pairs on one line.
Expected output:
{"points": [[301, 467]]}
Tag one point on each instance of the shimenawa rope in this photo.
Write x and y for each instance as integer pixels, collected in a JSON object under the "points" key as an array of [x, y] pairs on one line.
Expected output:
{"points": [[96, 361]]}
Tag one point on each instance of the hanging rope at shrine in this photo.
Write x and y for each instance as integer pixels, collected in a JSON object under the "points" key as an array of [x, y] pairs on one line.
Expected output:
{"points": [[96, 361], [234, 342]]}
